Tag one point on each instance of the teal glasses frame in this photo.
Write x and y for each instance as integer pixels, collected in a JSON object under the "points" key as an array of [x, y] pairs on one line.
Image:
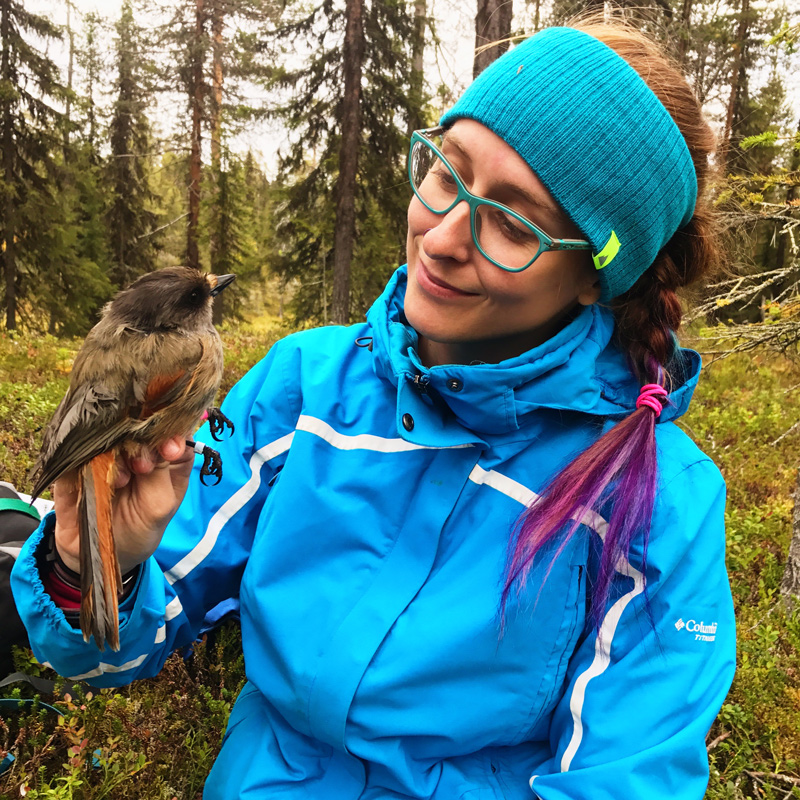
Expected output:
{"points": [[546, 243]]}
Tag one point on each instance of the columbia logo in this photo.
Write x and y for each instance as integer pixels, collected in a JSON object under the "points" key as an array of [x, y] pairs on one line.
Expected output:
{"points": [[703, 632]]}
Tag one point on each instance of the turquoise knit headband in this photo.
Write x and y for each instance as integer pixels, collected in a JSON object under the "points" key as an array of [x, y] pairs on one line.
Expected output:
{"points": [[598, 138]]}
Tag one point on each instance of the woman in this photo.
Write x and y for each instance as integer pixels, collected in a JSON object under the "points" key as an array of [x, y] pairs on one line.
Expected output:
{"points": [[414, 624]]}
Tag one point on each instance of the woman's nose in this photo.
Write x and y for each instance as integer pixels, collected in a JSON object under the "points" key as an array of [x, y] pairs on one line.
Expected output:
{"points": [[452, 236]]}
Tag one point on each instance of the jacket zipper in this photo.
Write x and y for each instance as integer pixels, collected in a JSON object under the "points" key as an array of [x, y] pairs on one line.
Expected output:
{"points": [[421, 383]]}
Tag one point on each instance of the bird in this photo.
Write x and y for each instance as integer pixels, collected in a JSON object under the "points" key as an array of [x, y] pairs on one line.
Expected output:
{"points": [[147, 371]]}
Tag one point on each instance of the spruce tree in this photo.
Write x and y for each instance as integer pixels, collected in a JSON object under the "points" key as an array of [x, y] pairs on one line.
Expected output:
{"points": [[90, 169], [29, 83], [236, 58], [71, 254], [131, 217], [232, 213], [327, 122], [72, 247]]}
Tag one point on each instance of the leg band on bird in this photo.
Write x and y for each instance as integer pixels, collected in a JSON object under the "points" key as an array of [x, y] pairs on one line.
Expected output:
{"points": [[217, 422], [212, 461]]}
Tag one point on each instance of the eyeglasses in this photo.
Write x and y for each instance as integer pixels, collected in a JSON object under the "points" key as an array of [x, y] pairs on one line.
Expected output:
{"points": [[505, 237]]}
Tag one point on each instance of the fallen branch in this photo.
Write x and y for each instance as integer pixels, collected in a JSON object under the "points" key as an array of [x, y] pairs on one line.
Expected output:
{"points": [[790, 583], [760, 776], [721, 738], [786, 433], [782, 336], [739, 288]]}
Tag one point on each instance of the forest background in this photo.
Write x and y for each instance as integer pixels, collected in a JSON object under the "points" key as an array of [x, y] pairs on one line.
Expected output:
{"points": [[126, 145]]}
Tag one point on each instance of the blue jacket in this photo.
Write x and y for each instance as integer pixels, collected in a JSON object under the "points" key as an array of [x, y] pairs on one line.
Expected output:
{"points": [[364, 517]]}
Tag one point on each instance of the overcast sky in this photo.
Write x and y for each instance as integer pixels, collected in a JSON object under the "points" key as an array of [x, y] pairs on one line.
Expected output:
{"points": [[451, 65]]}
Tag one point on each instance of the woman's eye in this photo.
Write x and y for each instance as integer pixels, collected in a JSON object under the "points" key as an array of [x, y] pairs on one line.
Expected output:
{"points": [[444, 177], [513, 228]]}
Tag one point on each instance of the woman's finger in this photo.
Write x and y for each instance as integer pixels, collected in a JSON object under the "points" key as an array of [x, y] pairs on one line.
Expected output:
{"points": [[65, 494], [180, 471], [173, 449], [123, 476], [144, 462], [65, 497]]}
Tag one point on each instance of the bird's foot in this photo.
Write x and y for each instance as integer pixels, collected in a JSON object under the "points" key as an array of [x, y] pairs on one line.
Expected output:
{"points": [[217, 422], [212, 462]]}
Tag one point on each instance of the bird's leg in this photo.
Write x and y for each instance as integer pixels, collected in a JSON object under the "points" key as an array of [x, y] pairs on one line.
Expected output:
{"points": [[212, 461], [217, 422]]}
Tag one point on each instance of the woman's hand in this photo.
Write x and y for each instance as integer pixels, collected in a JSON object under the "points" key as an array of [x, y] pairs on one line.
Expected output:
{"points": [[148, 490]]}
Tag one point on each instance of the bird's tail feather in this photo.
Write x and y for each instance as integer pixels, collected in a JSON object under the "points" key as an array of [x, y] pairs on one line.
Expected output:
{"points": [[100, 572]]}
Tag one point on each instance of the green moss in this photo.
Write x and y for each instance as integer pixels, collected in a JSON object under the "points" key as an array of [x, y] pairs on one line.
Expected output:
{"points": [[153, 740], [743, 407]]}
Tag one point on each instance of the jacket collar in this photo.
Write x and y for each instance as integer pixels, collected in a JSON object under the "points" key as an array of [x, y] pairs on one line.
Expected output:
{"points": [[579, 369]]}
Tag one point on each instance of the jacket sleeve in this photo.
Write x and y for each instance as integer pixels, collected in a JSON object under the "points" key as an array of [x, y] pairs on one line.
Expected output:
{"points": [[642, 695], [204, 550]]}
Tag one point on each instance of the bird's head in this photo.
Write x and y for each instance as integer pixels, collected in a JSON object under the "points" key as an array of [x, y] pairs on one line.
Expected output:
{"points": [[168, 299]]}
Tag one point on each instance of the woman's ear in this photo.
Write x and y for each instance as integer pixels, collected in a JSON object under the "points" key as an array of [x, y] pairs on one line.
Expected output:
{"points": [[591, 294]]}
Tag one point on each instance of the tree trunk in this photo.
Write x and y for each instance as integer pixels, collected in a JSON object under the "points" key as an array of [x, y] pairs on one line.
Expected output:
{"points": [[417, 64], [738, 54], [791, 193], [790, 585], [324, 291], [10, 264], [353, 57], [683, 40], [195, 157], [492, 24], [217, 24], [91, 80], [70, 68], [9, 227]]}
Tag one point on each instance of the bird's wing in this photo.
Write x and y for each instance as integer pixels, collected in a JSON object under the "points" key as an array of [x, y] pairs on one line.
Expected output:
{"points": [[181, 381], [87, 422], [92, 419], [154, 392]]}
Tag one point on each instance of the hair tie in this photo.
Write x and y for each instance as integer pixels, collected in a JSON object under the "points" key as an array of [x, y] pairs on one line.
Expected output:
{"points": [[647, 397]]}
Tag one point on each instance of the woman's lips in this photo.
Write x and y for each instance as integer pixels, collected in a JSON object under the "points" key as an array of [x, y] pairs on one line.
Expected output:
{"points": [[436, 286]]}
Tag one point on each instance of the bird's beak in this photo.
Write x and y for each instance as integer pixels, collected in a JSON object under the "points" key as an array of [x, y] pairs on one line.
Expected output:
{"points": [[219, 282]]}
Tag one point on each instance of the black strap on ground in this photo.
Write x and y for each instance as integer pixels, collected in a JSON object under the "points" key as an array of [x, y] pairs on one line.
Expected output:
{"points": [[42, 685]]}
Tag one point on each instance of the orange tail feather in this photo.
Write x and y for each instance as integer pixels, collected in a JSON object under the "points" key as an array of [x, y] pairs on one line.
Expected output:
{"points": [[100, 573]]}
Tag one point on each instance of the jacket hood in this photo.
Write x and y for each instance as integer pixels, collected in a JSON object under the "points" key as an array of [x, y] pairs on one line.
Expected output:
{"points": [[579, 369]]}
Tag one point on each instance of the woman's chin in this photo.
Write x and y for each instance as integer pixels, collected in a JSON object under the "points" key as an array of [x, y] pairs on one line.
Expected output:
{"points": [[429, 322]]}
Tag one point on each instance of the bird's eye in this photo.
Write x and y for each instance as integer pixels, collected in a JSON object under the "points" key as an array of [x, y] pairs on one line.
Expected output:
{"points": [[195, 295]]}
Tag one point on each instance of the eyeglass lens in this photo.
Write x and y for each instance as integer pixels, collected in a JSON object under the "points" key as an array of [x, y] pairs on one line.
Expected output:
{"points": [[502, 237]]}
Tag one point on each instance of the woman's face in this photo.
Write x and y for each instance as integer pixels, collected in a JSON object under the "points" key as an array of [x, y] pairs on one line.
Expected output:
{"points": [[465, 308]]}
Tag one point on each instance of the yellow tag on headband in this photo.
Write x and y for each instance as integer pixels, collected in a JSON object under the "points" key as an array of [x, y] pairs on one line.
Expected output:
{"points": [[608, 253]]}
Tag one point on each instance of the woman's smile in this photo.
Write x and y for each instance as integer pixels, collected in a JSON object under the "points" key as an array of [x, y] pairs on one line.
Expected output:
{"points": [[434, 285]]}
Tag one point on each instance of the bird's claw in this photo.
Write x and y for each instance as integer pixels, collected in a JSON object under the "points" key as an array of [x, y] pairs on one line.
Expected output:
{"points": [[217, 422], [212, 465], [212, 462]]}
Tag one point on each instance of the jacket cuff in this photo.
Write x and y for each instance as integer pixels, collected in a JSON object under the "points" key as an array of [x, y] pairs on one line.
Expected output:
{"points": [[55, 641], [64, 584]]}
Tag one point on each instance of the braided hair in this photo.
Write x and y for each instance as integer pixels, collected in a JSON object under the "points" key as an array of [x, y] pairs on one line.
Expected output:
{"points": [[620, 470]]}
